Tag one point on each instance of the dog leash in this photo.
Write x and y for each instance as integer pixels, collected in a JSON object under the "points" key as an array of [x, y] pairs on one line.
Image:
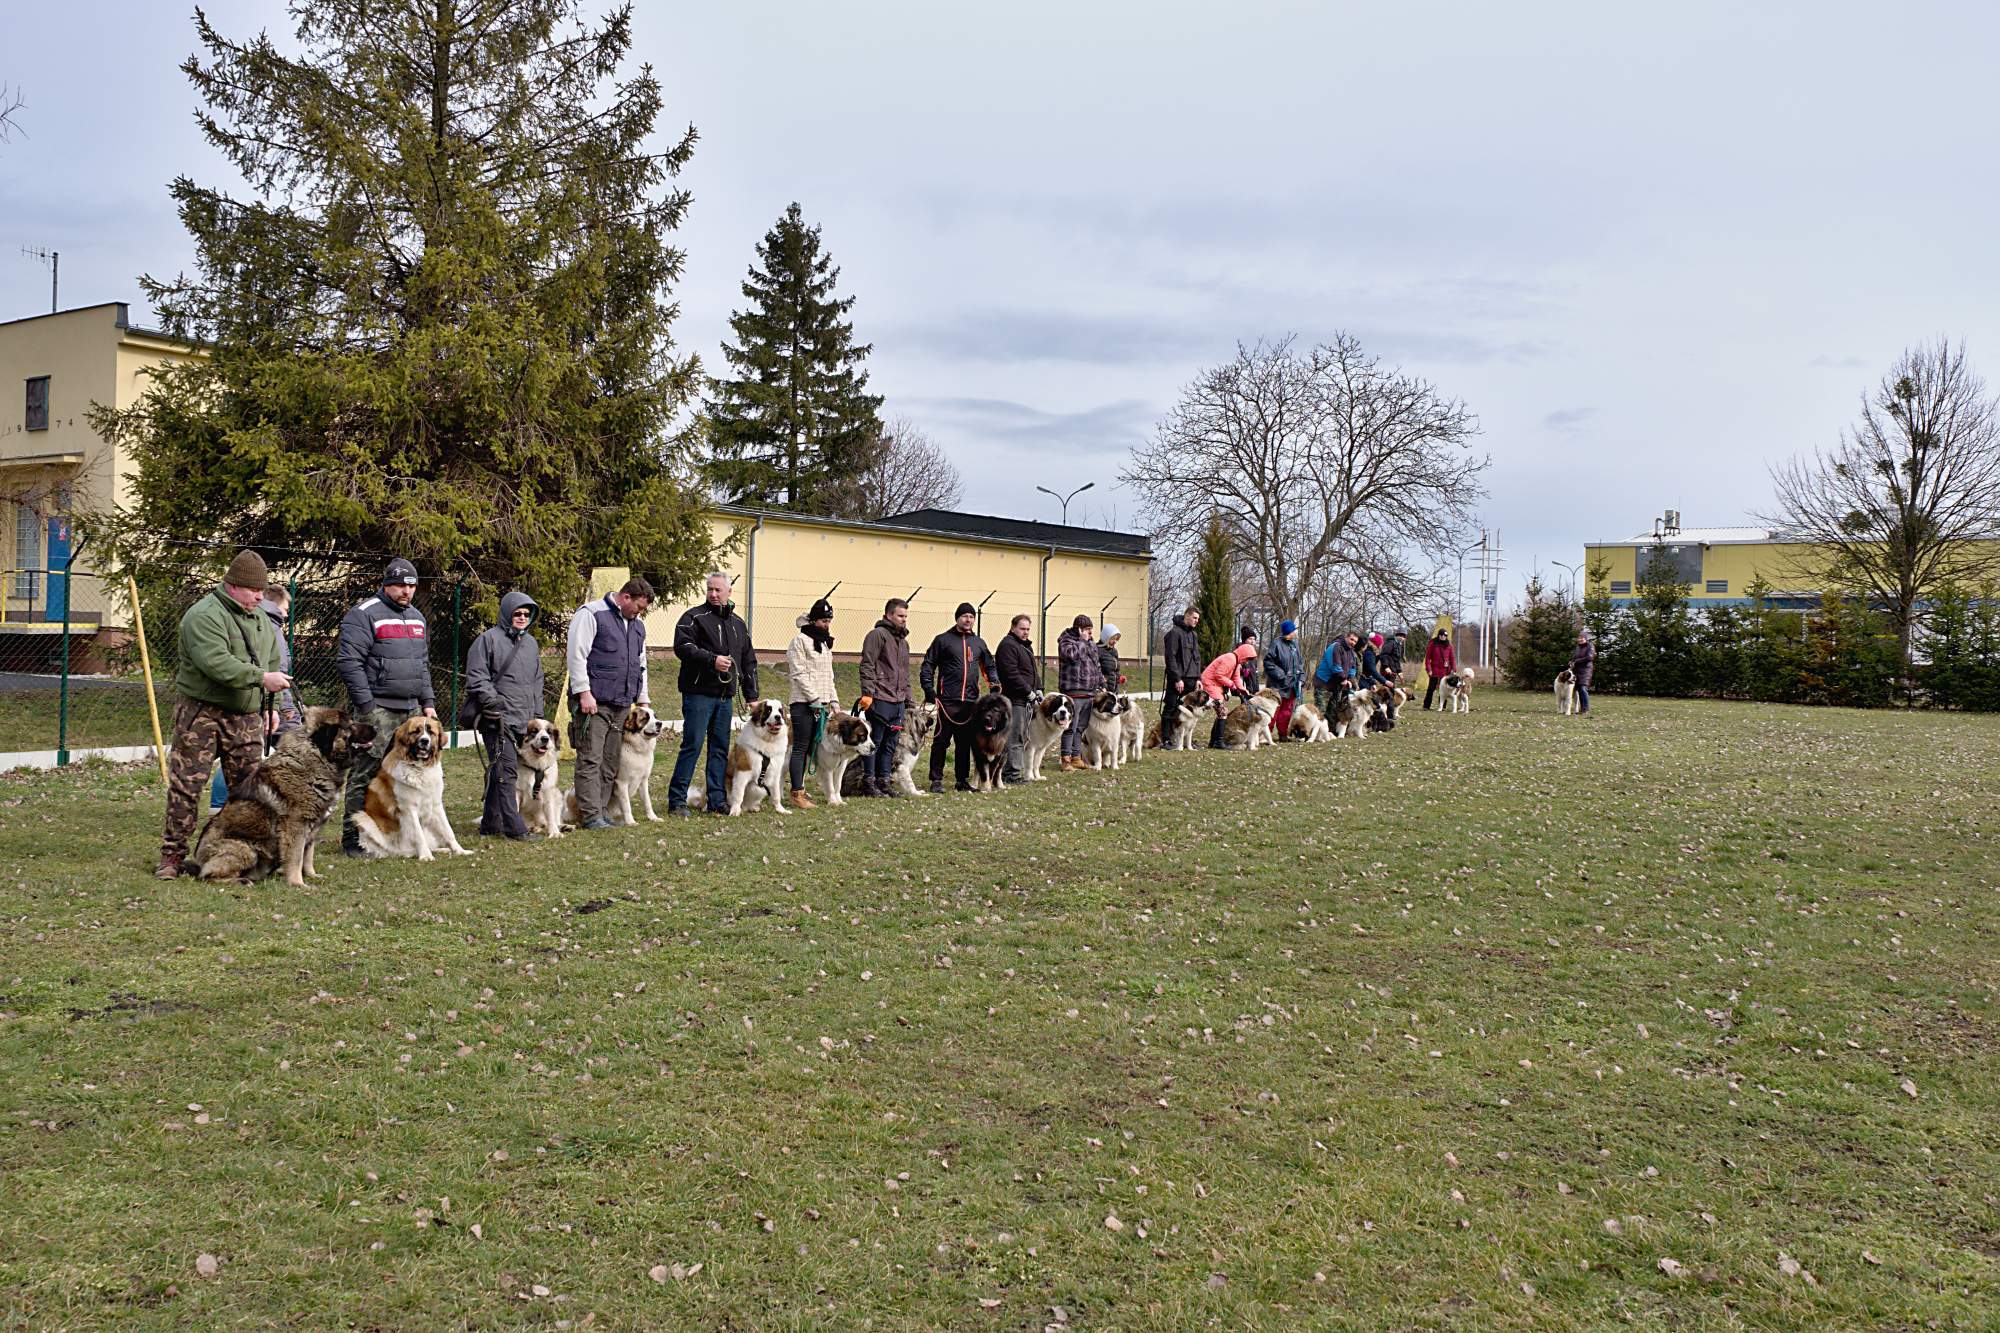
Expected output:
{"points": [[267, 717]]}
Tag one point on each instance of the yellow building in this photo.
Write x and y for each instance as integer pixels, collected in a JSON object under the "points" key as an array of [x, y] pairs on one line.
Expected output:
{"points": [[52, 464], [1717, 564], [934, 559]]}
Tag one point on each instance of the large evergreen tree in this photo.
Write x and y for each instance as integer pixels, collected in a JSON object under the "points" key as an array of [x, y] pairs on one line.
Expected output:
{"points": [[1541, 639], [436, 323], [796, 428], [1216, 634]]}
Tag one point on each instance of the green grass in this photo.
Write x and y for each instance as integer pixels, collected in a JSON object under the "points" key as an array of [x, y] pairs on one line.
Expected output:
{"points": [[1469, 1026]]}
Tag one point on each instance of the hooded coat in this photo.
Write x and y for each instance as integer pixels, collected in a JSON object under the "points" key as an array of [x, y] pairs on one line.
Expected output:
{"points": [[1225, 673], [503, 672], [1183, 652]]}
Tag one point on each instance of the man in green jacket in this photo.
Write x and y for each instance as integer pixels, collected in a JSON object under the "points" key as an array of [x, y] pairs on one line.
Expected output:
{"points": [[228, 664]]}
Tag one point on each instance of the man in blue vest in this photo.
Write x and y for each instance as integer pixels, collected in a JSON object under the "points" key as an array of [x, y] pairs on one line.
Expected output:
{"points": [[607, 675], [384, 659]]}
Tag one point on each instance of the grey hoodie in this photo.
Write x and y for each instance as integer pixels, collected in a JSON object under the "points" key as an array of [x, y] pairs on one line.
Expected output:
{"points": [[503, 672]]}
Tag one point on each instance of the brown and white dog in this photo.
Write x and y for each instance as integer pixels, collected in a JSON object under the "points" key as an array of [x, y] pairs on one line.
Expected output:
{"points": [[1249, 726], [1175, 729], [538, 789], [1049, 717], [1309, 724], [1388, 701], [1132, 731], [1457, 696], [1566, 692], [1352, 710], [1104, 729], [757, 759], [845, 741], [919, 722], [403, 814]]}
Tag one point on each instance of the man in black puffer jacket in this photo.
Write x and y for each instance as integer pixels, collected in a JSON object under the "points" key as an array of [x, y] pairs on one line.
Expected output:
{"points": [[1184, 664], [1020, 681], [713, 645], [384, 659], [950, 677]]}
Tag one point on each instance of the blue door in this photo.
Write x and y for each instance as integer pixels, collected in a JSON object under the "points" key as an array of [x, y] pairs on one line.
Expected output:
{"points": [[58, 600]]}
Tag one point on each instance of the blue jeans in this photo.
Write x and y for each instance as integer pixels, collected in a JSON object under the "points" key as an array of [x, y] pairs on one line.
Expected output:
{"points": [[703, 718], [885, 728], [1583, 698]]}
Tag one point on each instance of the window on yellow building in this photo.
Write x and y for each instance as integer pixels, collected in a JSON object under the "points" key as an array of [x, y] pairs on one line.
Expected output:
{"points": [[1717, 585], [38, 403]]}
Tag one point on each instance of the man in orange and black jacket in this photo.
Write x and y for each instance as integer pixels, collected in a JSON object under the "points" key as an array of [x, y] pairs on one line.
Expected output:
{"points": [[950, 676]]}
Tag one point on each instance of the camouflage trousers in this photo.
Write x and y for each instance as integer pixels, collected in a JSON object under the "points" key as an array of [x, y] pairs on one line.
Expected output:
{"points": [[201, 733], [367, 763]]}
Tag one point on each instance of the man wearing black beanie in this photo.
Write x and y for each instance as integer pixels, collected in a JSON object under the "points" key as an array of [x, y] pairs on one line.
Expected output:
{"points": [[950, 678]]}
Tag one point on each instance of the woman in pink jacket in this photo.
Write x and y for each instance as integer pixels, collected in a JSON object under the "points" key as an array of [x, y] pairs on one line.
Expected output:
{"points": [[1225, 674]]}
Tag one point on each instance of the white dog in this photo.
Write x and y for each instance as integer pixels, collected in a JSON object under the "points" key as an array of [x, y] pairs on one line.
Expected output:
{"points": [[1458, 691], [1352, 711], [1309, 724], [845, 741], [1132, 736], [1104, 730], [538, 789], [1175, 729], [1566, 692], [1048, 719], [757, 759]]}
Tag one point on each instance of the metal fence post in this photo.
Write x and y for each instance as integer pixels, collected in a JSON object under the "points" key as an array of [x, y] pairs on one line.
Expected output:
{"points": [[457, 606], [62, 709]]}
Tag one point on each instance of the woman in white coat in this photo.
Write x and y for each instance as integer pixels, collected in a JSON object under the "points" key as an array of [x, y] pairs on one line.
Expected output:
{"points": [[809, 663]]}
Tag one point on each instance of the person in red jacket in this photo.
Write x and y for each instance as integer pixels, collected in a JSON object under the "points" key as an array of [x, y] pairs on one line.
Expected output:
{"points": [[1439, 661], [1225, 675]]}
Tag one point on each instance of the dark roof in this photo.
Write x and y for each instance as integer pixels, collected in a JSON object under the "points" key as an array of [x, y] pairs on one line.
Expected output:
{"points": [[1024, 531]]}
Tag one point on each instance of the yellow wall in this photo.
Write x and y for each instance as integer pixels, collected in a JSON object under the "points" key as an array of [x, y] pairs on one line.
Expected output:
{"points": [[798, 560], [1782, 565]]}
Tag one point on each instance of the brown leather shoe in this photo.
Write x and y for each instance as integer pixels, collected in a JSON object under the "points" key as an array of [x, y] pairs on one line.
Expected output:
{"points": [[170, 868], [801, 800]]}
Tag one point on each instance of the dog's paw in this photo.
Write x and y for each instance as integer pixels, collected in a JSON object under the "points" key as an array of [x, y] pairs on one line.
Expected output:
{"points": [[653, 819]]}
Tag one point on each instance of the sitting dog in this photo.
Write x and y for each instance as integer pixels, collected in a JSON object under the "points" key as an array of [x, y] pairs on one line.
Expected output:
{"points": [[1248, 727], [908, 743], [538, 788], [1566, 692], [1352, 710], [992, 718], [1388, 701], [1309, 724], [403, 813], [1049, 717], [1103, 730], [1132, 733], [846, 740], [757, 759], [1175, 729], [273, 818]]}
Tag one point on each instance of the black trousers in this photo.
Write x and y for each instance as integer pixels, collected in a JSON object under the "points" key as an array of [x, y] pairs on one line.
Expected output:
{"points": [[803, 718], [1430, 692], [501, 813], [950, 730]]}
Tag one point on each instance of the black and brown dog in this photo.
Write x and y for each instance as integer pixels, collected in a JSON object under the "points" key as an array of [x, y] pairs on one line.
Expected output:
{"points": [[992, 716], [273, 818]]}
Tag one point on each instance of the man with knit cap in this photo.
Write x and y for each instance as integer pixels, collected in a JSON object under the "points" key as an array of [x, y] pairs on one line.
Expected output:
{"points": [[384, 659], [1285, 672], [950, 675], [228, 666]]}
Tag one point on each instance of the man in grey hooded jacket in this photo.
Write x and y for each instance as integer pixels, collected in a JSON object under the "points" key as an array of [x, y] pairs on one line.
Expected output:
{"points": [[504, 680]]}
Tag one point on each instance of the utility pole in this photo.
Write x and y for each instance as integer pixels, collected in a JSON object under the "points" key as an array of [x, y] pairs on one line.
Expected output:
{"points": [[53, 258]]}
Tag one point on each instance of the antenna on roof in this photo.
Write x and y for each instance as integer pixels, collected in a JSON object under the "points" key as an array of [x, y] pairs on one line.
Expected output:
{"points": [[53, 258]]}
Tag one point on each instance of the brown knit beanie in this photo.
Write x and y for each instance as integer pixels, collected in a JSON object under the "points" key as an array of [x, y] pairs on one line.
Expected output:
{"points": [[247, 570]]}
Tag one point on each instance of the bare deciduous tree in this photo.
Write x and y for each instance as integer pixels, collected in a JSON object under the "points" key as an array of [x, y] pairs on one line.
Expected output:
{"points": [[1340, 482], [1910, 497], [11, 101], [906, 471]]}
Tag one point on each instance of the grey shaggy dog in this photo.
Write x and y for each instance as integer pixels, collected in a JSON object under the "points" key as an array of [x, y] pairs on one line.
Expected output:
{"points": [[275, 816]]}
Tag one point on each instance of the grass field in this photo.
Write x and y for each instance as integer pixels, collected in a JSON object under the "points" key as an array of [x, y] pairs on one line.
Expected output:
{"points": [[1685, 1014]]}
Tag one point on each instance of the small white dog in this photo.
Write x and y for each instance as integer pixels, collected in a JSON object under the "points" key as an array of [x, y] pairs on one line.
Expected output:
{"points": [[538, 788], [1566, 692]]}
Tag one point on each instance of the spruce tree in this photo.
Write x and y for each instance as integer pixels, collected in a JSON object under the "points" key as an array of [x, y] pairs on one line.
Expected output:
{"points": [[1541, 639], [796, 428], [1216, 634], [436, 323]]}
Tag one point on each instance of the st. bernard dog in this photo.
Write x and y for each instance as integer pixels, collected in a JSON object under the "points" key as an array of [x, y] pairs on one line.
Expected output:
{"points": [[845, 741], [1309, 724], [757, 759], [908, 745], [992, 718], [1104, 730], [1249, 726], [1457, 697], [538, 789], [1132, 731], [1389, 701], [1352, 710], [1566, 692], [1049, 716], [1175, 729], [403, 814]]}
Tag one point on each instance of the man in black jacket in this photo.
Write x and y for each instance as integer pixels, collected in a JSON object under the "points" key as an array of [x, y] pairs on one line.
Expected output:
{"points": [[1020, 681], [713, 645], [1184, 662], [384, 659], [950, 677]]}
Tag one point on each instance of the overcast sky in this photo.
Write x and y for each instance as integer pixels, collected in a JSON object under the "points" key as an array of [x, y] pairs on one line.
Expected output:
{"points": [[1654, 248]]}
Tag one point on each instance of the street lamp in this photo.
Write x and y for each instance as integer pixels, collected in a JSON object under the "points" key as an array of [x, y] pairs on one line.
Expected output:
{"points": [[1067, 498], [1572, 571], [1458, 607]]}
